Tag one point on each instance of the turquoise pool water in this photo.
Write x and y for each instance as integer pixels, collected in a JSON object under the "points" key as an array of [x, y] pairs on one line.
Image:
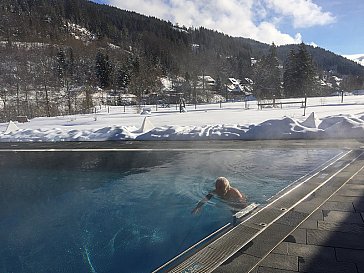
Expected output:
{"points": [[126, 211]]}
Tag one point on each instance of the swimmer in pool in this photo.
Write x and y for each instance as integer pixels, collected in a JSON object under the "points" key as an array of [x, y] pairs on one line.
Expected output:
{"points": [[223, 190]]}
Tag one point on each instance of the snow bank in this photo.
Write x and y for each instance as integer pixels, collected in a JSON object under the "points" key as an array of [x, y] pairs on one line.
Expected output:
{"points": [[337, 127]]}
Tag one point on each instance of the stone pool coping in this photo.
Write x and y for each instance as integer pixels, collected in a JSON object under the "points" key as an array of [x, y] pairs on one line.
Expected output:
{"points": [[330, 240], [251, 242], [181, 145]]}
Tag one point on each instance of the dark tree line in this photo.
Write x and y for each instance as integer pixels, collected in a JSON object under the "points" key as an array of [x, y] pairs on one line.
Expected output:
{"points": [[50, 21], [298, 76]]}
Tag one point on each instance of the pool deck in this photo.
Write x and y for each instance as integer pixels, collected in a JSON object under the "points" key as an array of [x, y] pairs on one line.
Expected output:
{"points": [[330, 239], [315, 226]]}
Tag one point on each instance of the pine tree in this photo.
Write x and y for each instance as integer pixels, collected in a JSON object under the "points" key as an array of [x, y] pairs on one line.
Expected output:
{"points": [[289, 75], [267, 76], [103, 70], [122, 78], [61, 64], [274, 79], [300, 74], [306, 71]]}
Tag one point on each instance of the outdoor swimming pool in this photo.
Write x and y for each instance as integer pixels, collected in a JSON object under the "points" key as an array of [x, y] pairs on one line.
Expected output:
{"points": [[127, 211]]}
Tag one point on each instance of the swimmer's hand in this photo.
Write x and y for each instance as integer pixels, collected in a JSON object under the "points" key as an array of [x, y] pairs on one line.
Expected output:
{"points": [[196, 210]]}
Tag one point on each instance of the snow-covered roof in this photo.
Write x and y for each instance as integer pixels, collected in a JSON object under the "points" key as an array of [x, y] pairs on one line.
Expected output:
{"points": [[234, 81], [208, 79], [236, 86], [166, 84]]}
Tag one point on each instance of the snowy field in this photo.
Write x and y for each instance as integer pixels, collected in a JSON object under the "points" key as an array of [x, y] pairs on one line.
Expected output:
{"points": [[325, 117]]}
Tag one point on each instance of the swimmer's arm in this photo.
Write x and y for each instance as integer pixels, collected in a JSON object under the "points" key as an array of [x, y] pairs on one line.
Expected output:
{"points": [[202, 202], [239, 197]]}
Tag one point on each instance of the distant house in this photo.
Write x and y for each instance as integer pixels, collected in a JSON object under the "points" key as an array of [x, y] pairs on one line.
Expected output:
{"points": [[239, 87], [253, 61], [206, 82], [116, 97], [195, 47], [358, 92]]}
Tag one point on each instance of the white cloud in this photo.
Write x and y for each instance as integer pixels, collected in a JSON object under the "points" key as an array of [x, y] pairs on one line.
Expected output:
{"points": [[305, 13], [256, 19], [268, 33]]}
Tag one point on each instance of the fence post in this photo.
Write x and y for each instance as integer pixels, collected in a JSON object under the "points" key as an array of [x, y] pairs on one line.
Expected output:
{"points": [[274, 101], [304, 108]]}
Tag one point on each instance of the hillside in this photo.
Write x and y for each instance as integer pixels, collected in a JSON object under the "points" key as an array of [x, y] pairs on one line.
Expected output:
{"points": [[55, 54], [54, 21]]}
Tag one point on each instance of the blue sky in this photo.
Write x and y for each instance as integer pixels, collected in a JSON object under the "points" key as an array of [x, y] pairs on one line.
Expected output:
{"points": [[335, 25]]}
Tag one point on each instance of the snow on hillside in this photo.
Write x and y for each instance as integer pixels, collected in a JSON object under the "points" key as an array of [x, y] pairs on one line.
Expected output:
{"points": [[80, 33], [359, 58], [326, 118], [25, 45]]}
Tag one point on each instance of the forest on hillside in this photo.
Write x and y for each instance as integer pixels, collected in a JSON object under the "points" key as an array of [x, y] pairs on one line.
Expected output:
{"points": [[57, 56]]}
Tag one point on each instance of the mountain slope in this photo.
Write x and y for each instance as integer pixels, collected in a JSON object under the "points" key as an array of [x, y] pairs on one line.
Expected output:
{"points": [[52, 20]]}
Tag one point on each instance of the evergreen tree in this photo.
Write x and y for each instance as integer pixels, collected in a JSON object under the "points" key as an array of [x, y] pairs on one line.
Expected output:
{"points": [[122, 78], [289, 83], [65, 65], [61, 64], [267, 76], [103, 70], [275, 78], [300, 75], [306, 71], [70, 61]]}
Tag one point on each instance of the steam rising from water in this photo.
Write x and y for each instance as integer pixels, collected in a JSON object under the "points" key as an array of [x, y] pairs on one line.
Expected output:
{"points": [[103, 218]]}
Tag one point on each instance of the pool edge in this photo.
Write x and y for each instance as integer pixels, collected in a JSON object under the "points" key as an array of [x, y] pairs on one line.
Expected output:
{"points": [[245, 246]]}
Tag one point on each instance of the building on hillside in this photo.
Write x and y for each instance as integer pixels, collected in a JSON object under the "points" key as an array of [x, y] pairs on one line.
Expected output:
{"points": [[206, 82], [358, 92], [253, 61], [117, 97], [242, 88], [205, 89], [330, 85]]}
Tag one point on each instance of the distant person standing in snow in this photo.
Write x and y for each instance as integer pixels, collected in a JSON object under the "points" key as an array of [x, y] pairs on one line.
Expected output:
{"points": [[223, 190], [182, 106]]}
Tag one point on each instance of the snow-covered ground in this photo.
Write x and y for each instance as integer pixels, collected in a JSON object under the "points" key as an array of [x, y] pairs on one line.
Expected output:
{"points": [[325, 118]]}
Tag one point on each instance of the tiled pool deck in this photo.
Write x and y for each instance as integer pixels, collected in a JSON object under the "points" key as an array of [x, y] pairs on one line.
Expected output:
{"points": [[316, 226], [330, 239]]}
